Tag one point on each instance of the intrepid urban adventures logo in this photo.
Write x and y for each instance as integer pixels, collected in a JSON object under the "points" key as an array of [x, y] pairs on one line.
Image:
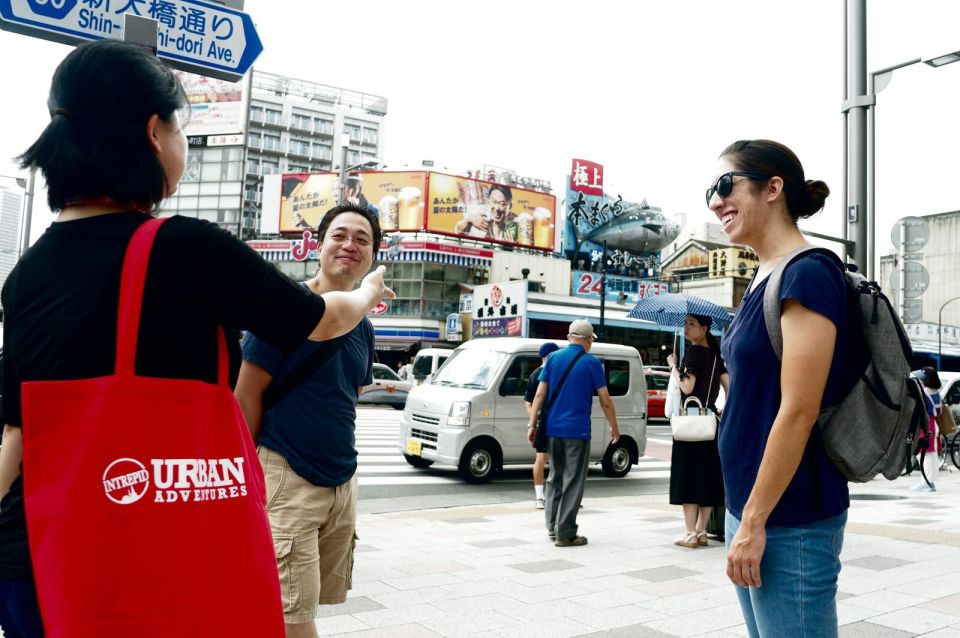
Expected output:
{"points": [[126, 480]]}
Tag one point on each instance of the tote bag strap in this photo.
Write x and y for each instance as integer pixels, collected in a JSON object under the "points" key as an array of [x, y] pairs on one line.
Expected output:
{"points": [[133, 277]]}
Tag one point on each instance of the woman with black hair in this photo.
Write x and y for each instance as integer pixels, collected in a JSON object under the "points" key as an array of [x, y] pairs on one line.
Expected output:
{"points": [[786, 501], [696, 481], [130, 336]]}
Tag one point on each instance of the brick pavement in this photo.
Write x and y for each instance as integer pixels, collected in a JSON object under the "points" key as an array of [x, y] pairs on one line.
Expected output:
{"points": [[489, 571]]}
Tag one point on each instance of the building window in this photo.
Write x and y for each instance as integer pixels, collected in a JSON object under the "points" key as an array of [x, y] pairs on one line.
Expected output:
{"points": [[298, 120], [353, 131], [254, 139], [256, 113], [271, 142], [322, 151], [268, 167], [369, 136], [299, 146], [322, 126], [273, 116]]}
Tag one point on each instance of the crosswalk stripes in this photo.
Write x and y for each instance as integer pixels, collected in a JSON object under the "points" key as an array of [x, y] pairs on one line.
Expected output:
{"points": [[381, 462]]}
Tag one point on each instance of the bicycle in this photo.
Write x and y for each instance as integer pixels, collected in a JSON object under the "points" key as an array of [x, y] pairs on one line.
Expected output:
{"points": [[950, 445]]}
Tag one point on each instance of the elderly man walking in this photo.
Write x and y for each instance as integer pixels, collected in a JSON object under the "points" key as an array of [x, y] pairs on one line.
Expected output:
{"points": [[570, 377]]}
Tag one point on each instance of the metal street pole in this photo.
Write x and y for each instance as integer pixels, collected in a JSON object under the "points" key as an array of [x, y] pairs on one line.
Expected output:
{"points": [[854, 107], [940, 331], [603, 286], [28, 211]]}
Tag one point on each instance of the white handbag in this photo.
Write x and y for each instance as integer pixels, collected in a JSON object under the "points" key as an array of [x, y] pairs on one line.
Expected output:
{"points": [[696, 427]]}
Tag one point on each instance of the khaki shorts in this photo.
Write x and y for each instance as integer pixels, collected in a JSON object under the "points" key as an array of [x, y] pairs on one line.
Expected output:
{"points": [[314, 535]]}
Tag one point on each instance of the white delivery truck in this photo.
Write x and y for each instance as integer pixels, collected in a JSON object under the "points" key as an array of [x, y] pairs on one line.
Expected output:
{"points": [[472, 415]]}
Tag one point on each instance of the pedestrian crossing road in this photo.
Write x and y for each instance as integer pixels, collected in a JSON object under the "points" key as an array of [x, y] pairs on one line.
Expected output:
{"points": [[383, 473]]}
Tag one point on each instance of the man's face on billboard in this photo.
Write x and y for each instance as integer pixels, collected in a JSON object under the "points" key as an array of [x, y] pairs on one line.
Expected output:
{"points": [[499, 206]]}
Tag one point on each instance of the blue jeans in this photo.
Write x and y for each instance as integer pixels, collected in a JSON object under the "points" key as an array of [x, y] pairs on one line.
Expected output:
{"points": [[799, 569], [19, 611]]}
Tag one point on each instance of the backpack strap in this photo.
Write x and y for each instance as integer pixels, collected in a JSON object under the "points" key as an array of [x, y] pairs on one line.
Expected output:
{"points": [[553, 396], [771, 294]]}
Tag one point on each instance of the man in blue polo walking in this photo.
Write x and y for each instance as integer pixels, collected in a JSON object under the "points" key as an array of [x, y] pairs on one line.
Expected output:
{"points": [[578, 375]]}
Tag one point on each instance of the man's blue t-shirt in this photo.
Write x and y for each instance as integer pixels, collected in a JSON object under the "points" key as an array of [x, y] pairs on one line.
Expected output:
{"points": [[569, 416], [313, 426], [818, 490]]}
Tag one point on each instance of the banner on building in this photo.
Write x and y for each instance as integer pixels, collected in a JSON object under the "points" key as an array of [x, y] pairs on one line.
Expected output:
{"points": [[624, 290], [586, 177], [733, 262], [304, 198], [217, 107], [500, 310], [490, 212]]}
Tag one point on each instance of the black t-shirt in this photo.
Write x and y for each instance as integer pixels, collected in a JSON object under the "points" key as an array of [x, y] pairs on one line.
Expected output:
{"points": [[699, 361], [60, 317], [532, 384]]}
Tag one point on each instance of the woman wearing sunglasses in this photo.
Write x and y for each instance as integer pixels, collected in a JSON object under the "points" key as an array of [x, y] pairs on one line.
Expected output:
{"points": [[786, 502]]}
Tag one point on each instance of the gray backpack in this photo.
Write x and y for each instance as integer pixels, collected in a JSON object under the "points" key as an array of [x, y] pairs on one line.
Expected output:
{"points": [[873, 429]]}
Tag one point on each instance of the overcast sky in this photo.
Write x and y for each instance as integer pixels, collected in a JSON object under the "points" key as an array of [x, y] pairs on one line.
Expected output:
{"points": [[654, 90]]}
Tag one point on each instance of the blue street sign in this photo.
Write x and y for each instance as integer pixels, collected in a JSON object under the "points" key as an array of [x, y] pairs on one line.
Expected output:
{"points": [[195, 36]]}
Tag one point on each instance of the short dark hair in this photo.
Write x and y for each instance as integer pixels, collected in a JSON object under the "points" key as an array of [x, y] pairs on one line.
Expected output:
{"points": [[101, 97], [368, 214], [508, 195], [805, 197]]}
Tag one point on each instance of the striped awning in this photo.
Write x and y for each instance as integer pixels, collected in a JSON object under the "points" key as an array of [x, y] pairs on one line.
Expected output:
{"points": [[434, 257]]}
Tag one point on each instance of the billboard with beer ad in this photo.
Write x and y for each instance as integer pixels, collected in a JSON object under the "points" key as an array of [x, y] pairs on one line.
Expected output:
{"points": [[397, 197], [491, 212], [304, 198]]}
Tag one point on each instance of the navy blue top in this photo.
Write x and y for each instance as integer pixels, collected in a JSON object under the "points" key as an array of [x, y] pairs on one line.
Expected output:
{"points": [[569, 416], [313, 426], [818, 490]]}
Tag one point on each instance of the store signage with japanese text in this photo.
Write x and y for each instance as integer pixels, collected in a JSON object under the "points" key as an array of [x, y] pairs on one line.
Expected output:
{"points": [[586, 177], [499, 310], [588, 284]]}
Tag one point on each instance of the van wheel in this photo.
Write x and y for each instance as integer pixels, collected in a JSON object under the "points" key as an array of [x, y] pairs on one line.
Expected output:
{"points": [[417, 461], [479, 461], [616, 461]]}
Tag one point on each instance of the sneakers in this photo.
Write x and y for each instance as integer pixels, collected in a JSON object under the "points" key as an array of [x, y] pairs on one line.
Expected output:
{"points": [[575, 541], [690, 539], [923, 487], [541, 503]]}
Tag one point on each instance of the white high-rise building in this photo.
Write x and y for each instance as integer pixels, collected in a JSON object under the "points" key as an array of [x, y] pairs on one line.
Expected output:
{"points": [[11, 206]]}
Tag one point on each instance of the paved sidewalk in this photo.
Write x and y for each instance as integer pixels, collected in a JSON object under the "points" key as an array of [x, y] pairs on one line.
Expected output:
{"points": [[490, 571]]}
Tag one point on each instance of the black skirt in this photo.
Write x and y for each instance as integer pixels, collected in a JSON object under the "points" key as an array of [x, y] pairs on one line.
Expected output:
{"points": [[695, 475]]}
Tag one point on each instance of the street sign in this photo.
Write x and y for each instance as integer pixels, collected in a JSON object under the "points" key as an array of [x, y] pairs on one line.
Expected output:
{"points": [[915, 230], [194, 36], [912, 310], [917, 279]]}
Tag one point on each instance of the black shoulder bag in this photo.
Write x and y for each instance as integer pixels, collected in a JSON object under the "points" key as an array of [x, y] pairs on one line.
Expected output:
{"points": [[277, 391], [540, 436]]}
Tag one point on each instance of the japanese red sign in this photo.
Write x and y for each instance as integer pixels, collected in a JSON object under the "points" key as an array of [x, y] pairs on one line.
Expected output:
{"points": [[586, 177]]}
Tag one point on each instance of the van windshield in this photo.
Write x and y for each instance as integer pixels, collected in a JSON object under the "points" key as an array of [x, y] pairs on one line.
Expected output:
{"points": [[470, 369]]}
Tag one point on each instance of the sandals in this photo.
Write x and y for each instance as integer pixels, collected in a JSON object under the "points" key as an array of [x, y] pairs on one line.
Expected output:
{"points": [[701, 538], [690, 539]]}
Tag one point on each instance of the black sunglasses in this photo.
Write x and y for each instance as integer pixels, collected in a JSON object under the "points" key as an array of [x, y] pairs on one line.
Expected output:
{"points": [[724, 185]]}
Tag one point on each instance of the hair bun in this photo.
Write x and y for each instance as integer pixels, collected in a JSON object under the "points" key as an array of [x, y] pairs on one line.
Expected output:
{"points": [[817, 192]]}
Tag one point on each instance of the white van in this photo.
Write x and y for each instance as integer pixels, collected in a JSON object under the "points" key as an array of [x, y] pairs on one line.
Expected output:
{"points": [[427, 362], [472, 415]]}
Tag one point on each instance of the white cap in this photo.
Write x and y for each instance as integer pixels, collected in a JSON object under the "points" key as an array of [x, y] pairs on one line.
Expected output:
{"points": [[581, 328]]}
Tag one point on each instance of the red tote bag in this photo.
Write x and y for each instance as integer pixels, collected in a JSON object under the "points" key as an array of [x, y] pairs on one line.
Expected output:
{"points": [[145, 500]]}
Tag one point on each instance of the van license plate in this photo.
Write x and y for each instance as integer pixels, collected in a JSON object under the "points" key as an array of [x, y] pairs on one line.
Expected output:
{"points": [[413, 447]]}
